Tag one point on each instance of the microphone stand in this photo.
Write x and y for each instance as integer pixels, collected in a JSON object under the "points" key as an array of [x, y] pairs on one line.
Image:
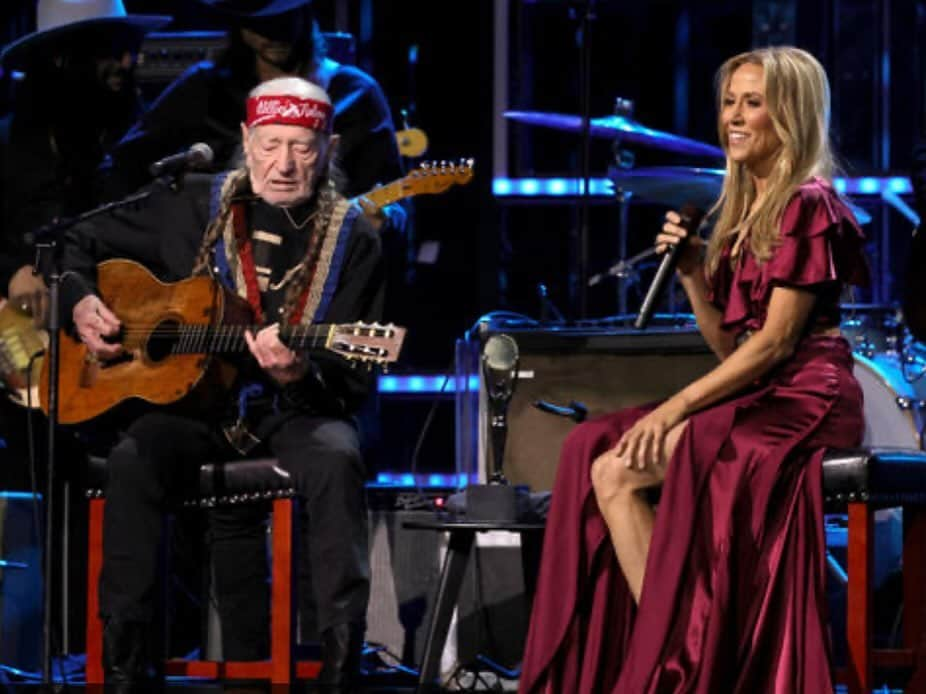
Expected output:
{"points": [[46, 242], [623, 270], [584, 10]]}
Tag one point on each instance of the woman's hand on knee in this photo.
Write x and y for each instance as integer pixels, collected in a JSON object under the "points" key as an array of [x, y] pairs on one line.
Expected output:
{"points": [[644, 444]]}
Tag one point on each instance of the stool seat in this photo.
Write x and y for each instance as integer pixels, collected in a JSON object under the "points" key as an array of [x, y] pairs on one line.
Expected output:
{"points": [[879, 476], [233, 482], [858, 482]]}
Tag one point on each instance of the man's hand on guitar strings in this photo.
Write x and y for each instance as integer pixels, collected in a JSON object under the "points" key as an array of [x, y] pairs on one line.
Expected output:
{"points": [[94, 323], [278, 360]]}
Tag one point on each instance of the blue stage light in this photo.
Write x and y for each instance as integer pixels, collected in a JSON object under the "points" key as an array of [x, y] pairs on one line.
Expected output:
{"points": [[603, 187], [423, 384], [556, 186]]}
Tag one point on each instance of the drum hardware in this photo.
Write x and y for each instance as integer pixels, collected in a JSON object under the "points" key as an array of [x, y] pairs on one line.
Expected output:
{"points": [[618, 125], [872, 329], [914, 308], [894, 408], [674, 186]]}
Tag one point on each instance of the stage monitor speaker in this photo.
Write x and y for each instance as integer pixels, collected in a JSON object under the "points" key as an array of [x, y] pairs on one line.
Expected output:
{"points": [[405, 571], [603, 369], [20, 581]]}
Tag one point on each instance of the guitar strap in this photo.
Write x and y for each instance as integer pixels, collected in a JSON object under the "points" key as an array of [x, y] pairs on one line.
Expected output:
{"points": [[234, 257]]}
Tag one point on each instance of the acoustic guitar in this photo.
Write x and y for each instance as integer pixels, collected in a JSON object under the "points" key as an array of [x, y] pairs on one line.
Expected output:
{"points": [[172, 333]]}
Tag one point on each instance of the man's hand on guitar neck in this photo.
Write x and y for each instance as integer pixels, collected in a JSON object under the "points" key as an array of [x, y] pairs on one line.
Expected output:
{"points": [[95, 322], [374, 213], [279, 361]]}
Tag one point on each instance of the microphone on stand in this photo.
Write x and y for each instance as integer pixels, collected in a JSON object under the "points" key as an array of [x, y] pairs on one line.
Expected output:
{"points": [[500, 372], [691, 220], [197, 156]]}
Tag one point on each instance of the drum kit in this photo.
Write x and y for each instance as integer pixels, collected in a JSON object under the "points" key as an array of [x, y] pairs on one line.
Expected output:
{"points": [[890, 356]]}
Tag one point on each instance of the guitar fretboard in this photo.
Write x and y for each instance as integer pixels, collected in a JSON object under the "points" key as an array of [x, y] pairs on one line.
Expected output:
{"points": [[225, 339], [389, 193]]}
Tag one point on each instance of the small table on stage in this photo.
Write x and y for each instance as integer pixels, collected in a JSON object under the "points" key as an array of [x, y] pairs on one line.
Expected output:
{"points": [[462, 534]]}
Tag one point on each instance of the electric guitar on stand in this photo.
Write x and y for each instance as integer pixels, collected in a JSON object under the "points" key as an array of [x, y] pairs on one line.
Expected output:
{"points": [[21, 344], [429, 178]]}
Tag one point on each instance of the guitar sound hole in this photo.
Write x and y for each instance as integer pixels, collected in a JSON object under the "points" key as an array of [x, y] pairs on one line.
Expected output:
{"points": [[162, 340]]}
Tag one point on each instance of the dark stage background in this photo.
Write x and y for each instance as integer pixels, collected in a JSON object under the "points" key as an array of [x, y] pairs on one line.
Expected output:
{"points": [[443, 61], [661, 54]]}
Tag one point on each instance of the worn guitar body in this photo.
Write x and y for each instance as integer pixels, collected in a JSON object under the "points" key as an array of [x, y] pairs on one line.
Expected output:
{"points": [[149, 310], [172, 334]]}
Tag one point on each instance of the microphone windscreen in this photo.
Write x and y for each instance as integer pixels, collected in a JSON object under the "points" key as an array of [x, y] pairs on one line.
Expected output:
{"points": [[500, 353], [201, 154]]}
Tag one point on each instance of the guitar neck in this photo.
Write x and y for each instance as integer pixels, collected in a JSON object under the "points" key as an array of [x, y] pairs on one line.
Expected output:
{"points": [[229, 339], [389, 193]]}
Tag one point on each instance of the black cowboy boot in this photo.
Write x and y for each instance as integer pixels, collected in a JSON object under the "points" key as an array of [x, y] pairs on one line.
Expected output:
{"points": [[342, 648], [126, 665]]}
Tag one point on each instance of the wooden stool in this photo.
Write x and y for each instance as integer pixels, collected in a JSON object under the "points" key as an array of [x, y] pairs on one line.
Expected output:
{"points": [[245, 481], [860, 482]]}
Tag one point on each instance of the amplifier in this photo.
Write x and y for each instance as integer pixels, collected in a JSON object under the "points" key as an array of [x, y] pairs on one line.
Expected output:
{"points": [[165, 55], [604, 369]]}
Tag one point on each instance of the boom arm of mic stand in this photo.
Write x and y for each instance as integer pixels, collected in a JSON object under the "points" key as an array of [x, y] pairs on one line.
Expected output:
{"points": [[621, 268], [52, 229]]}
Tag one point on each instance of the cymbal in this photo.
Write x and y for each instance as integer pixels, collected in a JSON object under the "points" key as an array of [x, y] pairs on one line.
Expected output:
{"points": [[613, 127], [675, 186]]}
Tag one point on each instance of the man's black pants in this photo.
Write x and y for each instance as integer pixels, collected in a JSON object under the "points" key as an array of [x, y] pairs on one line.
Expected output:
{"points": [[160, 456]]}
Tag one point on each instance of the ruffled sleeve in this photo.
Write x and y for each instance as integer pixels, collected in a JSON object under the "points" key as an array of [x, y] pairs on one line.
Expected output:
{"points": [[821, 246], [820, 242]]}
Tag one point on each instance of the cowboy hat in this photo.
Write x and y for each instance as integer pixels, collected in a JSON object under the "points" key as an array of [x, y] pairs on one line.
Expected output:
{"points": [[254, 8], [56, 20]]}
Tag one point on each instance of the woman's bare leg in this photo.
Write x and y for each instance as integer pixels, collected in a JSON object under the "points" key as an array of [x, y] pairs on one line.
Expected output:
{"points": [[619, 491]]}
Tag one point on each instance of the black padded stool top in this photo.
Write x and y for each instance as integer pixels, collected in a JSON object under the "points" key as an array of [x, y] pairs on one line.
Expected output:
{"points": [[238, 481], [453, 523], [881, 476]]}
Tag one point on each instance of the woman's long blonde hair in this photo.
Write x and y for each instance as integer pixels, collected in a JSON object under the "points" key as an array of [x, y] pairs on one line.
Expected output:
{"points": [[797, 94]]}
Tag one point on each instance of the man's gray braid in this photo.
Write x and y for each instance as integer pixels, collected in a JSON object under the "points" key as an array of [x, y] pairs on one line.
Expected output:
{"points": [[234, 184], [327, 201]]}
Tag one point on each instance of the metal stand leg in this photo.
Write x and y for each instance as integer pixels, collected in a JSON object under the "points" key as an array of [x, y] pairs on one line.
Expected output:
{"points": [[448, 590]]}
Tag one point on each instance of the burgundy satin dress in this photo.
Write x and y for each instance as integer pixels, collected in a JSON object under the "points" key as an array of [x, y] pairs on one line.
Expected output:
{"points": [[733, 596]]}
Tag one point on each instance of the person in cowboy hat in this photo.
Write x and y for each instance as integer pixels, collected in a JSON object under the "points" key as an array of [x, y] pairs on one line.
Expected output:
{"points": [[267, 39], [74, 99], [279, 234]]}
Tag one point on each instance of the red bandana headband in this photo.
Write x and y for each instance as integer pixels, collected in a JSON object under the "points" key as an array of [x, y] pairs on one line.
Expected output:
{"points": [[289, 110]]}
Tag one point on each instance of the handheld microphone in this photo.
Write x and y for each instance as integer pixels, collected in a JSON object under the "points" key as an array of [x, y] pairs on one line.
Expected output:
{"points": [[691, 220], [197, 156]]}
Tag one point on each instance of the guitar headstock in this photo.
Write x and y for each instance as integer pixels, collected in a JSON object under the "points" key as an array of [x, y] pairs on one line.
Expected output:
{"points": [[438, 176], [367, 343]]}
